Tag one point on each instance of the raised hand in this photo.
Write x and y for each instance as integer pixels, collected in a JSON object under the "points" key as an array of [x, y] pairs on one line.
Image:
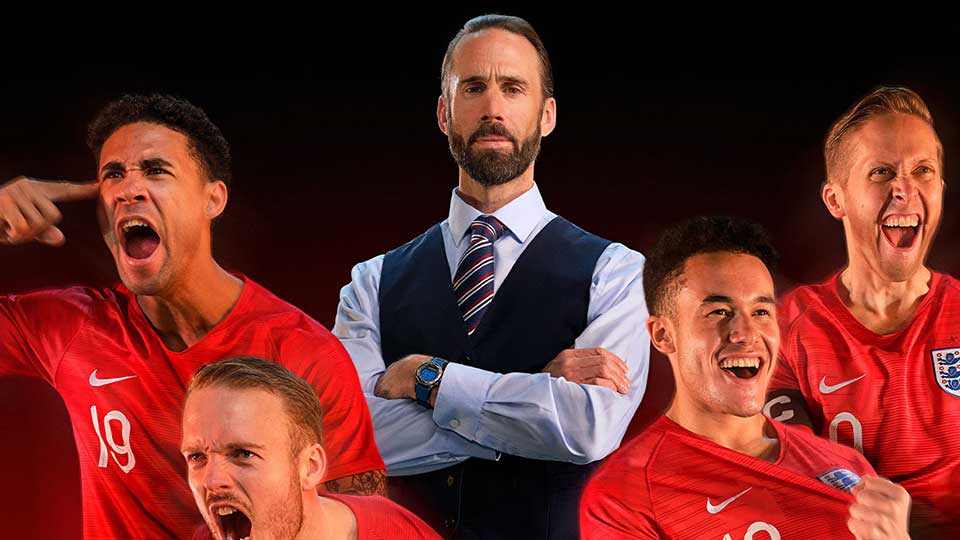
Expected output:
{"points": [[28, 211]]}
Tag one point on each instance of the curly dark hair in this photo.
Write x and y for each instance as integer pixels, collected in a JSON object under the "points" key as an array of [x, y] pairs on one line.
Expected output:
{"points": [[710, 234], [207, 144]]}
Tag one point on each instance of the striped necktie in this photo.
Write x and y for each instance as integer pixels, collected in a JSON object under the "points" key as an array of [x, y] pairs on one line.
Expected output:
{"points": [[473, 282]]}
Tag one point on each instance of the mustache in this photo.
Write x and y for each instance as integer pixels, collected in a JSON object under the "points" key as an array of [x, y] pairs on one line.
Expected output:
{"points": [[491, 129], [212, 499]]}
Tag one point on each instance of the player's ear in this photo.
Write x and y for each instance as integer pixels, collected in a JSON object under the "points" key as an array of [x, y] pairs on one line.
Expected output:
{"points": [[216, 198], [313, 466], [832, 195], [661, 333]]}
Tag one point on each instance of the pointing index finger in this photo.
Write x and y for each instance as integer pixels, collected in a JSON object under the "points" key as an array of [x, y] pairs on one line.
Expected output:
{"points": [[68, 191]]}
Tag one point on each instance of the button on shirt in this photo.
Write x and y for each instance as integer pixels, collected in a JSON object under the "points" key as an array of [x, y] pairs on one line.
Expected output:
{"points": [[479, 413]]}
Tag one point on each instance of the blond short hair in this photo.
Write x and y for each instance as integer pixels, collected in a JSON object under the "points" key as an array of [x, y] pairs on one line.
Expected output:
{"points": [[300, 400], [881, 101]]}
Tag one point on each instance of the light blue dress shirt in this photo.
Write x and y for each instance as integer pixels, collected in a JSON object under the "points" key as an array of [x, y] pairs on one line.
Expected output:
{"points": [[479, 413]]}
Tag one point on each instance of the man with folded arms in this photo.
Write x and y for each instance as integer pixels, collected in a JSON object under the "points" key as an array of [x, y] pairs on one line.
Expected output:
{"points": [[499, 350]]}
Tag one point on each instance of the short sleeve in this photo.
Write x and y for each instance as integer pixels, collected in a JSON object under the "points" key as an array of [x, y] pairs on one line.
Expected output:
{"points": [[616, 505], [37, 328], [317, 356]]}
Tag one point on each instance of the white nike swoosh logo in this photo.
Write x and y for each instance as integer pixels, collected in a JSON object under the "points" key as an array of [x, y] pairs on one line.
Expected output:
{"points": [[94, 381], [831, 388], [715, 509]]}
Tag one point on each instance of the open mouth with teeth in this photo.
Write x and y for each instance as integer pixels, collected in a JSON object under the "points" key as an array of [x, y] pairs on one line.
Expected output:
{"points": [[741, 368], [138, 238], [234, 524], [901, 231]]}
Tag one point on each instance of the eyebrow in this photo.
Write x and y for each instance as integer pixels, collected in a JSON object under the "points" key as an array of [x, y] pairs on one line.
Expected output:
{"points": [[144, 164], [113, 166], [239, 445], [155, 162], [720, 299], [500, 79], [892, 162]]}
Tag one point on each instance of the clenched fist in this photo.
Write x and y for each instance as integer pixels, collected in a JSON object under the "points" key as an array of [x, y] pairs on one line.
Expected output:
{"points": [[881, 511]]}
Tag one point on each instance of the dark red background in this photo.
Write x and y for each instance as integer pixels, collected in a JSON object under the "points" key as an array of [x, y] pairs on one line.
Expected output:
{"points": [[337, 158]]}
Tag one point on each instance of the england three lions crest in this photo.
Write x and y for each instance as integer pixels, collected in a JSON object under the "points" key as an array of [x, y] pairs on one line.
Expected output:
{"points": [[946, 368]]}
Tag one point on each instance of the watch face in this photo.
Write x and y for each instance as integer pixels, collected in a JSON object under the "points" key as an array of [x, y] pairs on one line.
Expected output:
{"points": [[429, 373]]}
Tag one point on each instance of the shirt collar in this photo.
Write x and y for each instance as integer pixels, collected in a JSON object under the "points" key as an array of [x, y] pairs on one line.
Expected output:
{"points": [[519, 216]]}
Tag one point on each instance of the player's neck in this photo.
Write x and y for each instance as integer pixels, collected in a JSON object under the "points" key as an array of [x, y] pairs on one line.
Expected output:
{"points": [[326, 518], [192, 306], [879, 304], [489, 199], [749, 436]]}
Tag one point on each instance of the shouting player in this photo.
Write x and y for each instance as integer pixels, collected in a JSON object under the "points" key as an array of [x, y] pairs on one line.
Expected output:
{"points": [[871, 356], [713, 466], [121, 357], [253, 480]]}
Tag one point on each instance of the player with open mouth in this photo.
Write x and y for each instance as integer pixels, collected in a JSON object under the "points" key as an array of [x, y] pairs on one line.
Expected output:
{"points": [[714, 466], [868, 353], [120, 356], [252, 441]]}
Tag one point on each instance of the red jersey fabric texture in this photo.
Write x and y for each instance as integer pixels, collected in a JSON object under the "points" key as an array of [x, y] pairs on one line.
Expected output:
{"points": [[379, 518], [894, 397], [672, 483], [124, 392]]}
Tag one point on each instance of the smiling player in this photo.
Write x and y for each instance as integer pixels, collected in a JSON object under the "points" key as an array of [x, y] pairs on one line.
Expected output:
{"points": [[870, 356], [713, 466]]}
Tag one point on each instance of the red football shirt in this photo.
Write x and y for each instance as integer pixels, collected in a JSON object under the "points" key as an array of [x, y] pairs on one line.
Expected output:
{"points": [[672, 483], [124, 391], [379, 518], [894, 397]]}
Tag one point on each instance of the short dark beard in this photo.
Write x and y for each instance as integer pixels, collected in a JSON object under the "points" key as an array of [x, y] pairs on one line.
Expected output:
{"points": [[286, 518], [492, 167]]}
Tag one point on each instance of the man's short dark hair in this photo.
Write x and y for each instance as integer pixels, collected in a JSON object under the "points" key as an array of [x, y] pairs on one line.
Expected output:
{"points": [[300, 400], [511, 24], [713, 234], [206, 143]]}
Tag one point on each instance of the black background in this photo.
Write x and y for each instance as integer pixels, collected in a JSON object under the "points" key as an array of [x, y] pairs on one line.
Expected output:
{"points": [[337, 156]]}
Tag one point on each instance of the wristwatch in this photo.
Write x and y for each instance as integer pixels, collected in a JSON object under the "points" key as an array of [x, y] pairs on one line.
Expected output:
{"points": [[429, 374]]}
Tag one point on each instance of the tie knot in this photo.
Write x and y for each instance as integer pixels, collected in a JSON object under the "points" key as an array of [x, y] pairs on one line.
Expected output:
{"points": [[488, 227]]}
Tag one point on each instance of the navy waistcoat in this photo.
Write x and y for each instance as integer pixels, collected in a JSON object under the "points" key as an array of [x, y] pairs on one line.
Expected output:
{"points": [[538, 311]]}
